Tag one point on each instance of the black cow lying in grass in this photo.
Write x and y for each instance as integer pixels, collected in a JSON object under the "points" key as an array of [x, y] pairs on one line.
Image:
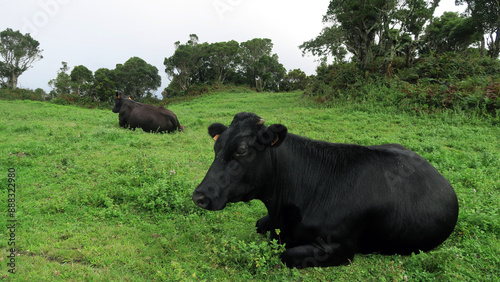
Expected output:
{"points": [[150, 118], [328, 201]]}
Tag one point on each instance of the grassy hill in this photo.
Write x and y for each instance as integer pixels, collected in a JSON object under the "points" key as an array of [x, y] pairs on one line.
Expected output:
{"points": [[94, 201]]}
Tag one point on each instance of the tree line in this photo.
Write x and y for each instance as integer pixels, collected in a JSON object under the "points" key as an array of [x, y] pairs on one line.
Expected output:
{"points": [[376, 32], [361, 36], [135, 77], [19, 51], [250, 63]]}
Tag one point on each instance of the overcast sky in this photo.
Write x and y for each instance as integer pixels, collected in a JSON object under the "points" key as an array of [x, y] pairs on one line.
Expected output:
{"points": [[103, 33]]}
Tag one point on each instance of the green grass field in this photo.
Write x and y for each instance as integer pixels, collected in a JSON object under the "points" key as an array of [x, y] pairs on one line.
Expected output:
{"points": [[94, 201]]}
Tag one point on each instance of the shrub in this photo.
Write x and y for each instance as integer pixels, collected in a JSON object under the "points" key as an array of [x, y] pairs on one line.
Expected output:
{"points": [[258, 258], [22, 94], [82, 101], [449, 67], [434, 83]]}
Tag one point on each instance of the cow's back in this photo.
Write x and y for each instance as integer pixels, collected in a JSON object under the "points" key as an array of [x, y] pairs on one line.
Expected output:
{"points": [[148, 119], [169, 120]]}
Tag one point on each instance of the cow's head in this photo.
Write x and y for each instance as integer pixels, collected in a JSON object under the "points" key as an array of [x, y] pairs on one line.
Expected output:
{"points": [[242, 161], [120, 97]]}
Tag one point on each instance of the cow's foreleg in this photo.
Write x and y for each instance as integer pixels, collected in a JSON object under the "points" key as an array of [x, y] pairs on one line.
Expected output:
{"points": [[318, 254], [263, 225], [122, 122]]}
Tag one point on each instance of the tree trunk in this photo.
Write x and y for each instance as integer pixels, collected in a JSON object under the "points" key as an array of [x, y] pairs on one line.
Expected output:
{"points": [[12, 81], [495, 48], [482, 47]]}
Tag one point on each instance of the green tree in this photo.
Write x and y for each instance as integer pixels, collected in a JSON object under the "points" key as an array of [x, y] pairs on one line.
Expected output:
{"points": [[18, 52], [222, 58], [3, 76], [81, 76], [359, 21], [40, 93], [371, 29], [104, 86], [202, 70], [137, 78], [61, 85], [330, 42], [411, 16], [268, 73], [294, 80], [485, 15], [253, 53], [450, 33], [183, 64]]}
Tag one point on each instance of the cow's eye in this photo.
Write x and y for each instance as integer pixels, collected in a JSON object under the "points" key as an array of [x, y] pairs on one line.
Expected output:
{"points": [[242, 151]]}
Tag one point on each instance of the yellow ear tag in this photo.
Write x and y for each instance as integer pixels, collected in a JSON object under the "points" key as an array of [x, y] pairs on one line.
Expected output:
{"points": [[275, 140], [118, 97], [129, 98], [215, 137]]}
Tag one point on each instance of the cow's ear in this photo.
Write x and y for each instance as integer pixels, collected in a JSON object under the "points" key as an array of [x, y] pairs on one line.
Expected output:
{"points": [[216, 129], [274, 135]]}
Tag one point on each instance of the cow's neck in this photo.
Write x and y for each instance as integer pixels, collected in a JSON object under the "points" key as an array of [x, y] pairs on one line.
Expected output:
{"points": [[297, 168]]}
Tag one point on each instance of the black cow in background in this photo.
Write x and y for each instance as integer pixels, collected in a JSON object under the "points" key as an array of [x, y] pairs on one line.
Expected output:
{"points": [[150, 118], [328, 201]]}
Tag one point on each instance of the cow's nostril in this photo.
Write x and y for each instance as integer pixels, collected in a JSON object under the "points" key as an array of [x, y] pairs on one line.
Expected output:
{"points": [[201, 201]]}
